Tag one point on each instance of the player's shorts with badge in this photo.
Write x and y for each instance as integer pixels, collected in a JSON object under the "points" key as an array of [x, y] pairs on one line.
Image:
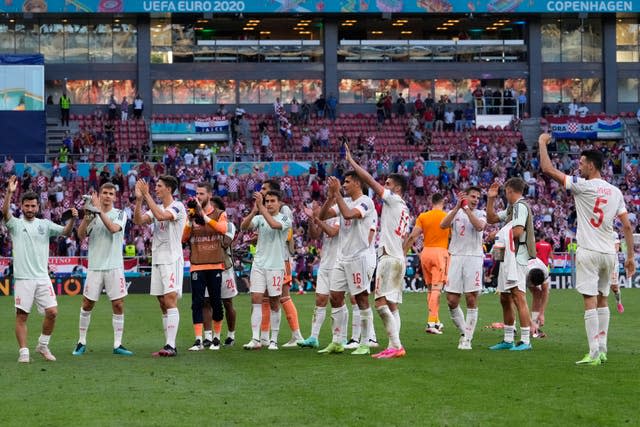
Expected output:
{"points": [[353, 276], [390, 278], [593, 271], [167, 278], [112, 281], [28, 291], [263, 280], [465, 274]]}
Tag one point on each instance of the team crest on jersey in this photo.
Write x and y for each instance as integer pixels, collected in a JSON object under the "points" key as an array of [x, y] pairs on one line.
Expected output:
{"points": [[40, 229]]}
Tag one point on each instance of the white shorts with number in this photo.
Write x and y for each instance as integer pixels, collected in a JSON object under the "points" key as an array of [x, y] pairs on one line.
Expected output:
{"points": [[229, 288], [505, 287], [390, 278], [266, 280], [465, 274], [111, 280], [353, 276], [167, 278], [593, 271], [323, 282], [40, 291]]}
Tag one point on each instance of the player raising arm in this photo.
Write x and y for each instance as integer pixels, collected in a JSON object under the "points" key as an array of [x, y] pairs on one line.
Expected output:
{"points": [[30, 238], [597, 203], [394, 223], [167, 263]]}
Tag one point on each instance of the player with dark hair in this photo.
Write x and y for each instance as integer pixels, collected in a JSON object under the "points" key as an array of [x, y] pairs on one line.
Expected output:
{"points": [[434, 257], [30, 238], [538, 284], [167, 270], [598, 203], [205, 232]]}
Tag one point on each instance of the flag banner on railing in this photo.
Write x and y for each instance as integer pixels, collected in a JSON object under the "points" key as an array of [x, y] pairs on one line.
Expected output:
{"points": [[590, 127], [212, 125]]}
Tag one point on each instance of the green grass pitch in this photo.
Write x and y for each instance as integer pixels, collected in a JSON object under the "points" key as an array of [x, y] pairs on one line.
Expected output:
{"points": [[435, 384]]}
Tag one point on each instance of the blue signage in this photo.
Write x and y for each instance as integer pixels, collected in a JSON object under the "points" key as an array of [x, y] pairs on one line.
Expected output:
{"points": [[320, 6]]}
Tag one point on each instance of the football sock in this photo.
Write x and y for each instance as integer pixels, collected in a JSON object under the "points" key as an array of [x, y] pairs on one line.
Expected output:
{"points": [[85, 320], [173, 321], [356, 323], [231, 334], [470, 324], [197, 330], [217, 328], [319, 315], [390, 326], [434, 306], [458, 318], [117, 321], [525, 334], [534, 316], [339, 324], [208, 335], [618, 296], [291, 313], [509, 332], [396, 316], [275, 325], [164, 325], [44, 339], [366, 320], [593, 330], [603, 325], [265, 324], [256, 317]]}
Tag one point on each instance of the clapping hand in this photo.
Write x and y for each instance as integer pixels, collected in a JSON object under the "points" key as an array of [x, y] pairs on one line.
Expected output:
{"points": [[493, 190]]}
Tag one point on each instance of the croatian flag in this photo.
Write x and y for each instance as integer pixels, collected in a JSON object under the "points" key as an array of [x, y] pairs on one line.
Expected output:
{"points": [[190, 189]]}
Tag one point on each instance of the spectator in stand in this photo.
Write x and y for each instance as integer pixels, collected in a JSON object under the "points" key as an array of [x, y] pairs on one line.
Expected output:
{"points": [[323, 137], [112, 107], [418, 105], [428, 118], [306, 141], [583, 110], [124, 109], [105, 176], [401, 105], [294, 110], [93, 177], [522, 104], [305, 112], [109, 130], [234, 185], [439, 113], [458, 115], [265, 142], [558, 110], [380, 112], [469, 117], [478, 98], [138, 106], [387, 104], [449, 120], [573, 107], [332, 105], [9, 166], [320, 105]]}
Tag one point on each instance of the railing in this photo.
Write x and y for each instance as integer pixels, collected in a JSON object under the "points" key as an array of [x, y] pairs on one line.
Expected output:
{"points": [[432, 50]]}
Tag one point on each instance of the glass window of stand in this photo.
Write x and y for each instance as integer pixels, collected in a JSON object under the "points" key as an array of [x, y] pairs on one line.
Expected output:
{"points": [[568, 89], [571, 40], [627, 40], [482, 38]]}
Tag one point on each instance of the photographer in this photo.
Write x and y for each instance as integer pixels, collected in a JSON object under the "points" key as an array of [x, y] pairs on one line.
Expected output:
{"points": [[205, 232]]}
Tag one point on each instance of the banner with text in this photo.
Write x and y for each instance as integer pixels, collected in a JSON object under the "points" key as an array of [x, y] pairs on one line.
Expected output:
{"points": [[319, 6], [591, 127]]}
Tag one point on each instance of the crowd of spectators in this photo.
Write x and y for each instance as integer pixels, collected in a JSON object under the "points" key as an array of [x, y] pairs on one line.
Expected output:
{"points": [[474, 161]]}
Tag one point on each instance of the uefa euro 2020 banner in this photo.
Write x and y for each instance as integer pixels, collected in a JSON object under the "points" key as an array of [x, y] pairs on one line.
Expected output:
{"points": [[318, 6], [591, 127]]}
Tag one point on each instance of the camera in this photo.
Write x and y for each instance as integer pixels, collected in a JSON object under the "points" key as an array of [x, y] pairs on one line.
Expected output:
{"points": [[192, 211]]}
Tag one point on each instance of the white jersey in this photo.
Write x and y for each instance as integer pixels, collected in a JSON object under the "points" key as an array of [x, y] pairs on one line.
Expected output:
{"points": [[105, 247], [270, 250], [354, 233], [166, 247], [465, 239], [537, 264], [394, 224], [286, 211], [330, 246], [598, 203]]}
